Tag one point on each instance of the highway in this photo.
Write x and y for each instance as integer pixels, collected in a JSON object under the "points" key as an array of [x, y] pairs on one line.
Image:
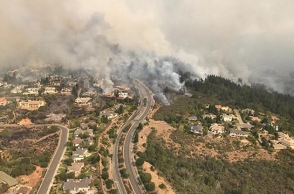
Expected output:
{"points": [[56, 158], [134, 121], [143, 112], [116, 174]]}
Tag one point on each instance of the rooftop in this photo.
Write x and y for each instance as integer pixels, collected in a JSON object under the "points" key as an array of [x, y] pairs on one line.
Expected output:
{"points": [[72, 184], [7, 179]]}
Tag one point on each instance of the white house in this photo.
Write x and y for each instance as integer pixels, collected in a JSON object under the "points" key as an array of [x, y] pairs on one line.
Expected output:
{"points": [[31, 91], [108, 114], [228, 118], [83, 101], [50, 90], [123, 95]]}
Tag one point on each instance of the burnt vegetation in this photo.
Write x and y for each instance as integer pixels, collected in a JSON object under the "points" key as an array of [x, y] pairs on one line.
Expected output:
{"points": [[25, 148]]}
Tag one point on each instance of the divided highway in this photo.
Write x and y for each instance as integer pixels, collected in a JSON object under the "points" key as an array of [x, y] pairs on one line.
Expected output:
{"points": [[135, 119]]}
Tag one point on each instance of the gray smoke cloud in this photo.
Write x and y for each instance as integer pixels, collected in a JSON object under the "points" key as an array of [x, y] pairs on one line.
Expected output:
{"points": [[231, 38]]}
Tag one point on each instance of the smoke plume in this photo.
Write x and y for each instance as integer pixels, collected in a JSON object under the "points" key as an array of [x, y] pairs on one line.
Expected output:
{"points": [[231, 38]]}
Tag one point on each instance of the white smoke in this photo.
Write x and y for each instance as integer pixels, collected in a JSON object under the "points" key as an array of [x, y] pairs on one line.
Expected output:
{"points": [[232, 38]]}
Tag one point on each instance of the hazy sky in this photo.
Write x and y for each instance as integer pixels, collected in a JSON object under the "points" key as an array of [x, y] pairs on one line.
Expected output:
{"points": [[252, 40]]}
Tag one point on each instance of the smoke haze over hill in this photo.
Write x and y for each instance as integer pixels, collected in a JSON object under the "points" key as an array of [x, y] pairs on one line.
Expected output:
{"points": [[250, 40]]}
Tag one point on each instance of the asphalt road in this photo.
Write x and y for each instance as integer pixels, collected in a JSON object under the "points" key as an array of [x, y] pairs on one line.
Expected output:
{"points": [[135, 119], [58, 154], [143, 112], [56, 158], [116, 174]]}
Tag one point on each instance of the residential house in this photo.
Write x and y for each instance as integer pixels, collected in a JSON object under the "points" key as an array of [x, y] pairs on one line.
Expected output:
{"points": [[123, 87], [108, 114], [79, 154], [123, 95], [84, 125], [55, 83], [223, 108], [228, 118], [77, 186], [17, 89], [75, 167], [248, 111], [197, 129], [31, 104], [32, 91], [79, 131], [66, 91], [83, 101], [217, 129], [286, 140], [218, 106], [55, 80], [5, 178], [71, 83], [289, 142], [89, 92], [211, 116], [238, 133], [88, 141], [77, 141], [192, 118], [92, 123], [3, 101], [50, 90]]}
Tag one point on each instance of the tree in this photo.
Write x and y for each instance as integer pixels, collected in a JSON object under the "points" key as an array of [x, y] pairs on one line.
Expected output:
{"points": [[120, 110], [124, 173], [145, 177], [94, 158], [162, 186], [140, 126], [139, 161], [150, 186], [104, 175], [91, 148], [109, 183], [264, 142]]}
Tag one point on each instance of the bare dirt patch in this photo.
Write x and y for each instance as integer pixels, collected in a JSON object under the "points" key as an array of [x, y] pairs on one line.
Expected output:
{"points": [[158, 180], [258, 154], [32, 179], [163, 131]]}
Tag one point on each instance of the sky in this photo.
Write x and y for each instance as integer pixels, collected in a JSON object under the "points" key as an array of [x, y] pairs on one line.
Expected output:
{"points": [[250, 40]]}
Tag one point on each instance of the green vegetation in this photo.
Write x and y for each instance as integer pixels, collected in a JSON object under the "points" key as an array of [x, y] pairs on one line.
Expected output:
{"points": [[162, 186], [146, 179], [217, 175], [124, 173], [216, 90], [256, 97]]}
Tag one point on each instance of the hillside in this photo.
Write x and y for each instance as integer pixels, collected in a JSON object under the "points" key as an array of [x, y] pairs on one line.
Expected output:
{"points": [[220, 163]]}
